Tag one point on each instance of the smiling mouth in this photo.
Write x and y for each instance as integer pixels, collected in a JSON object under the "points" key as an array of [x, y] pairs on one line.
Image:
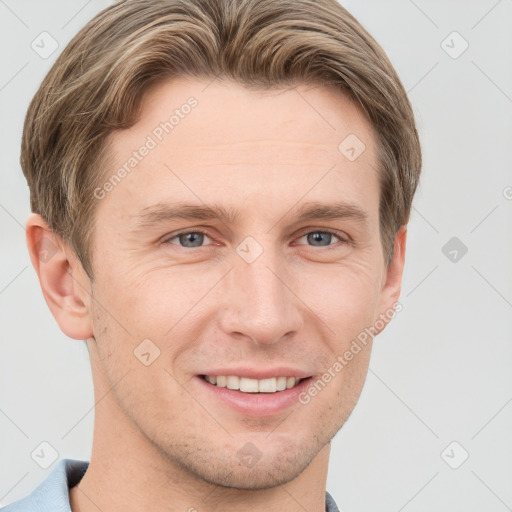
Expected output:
{"points": [[247, 385]]}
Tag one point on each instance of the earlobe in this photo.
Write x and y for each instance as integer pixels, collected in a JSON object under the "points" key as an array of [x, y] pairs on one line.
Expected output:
{"points": [[64, 283]]}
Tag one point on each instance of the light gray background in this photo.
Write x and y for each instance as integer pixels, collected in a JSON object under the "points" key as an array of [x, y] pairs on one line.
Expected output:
{"points": [[441, 372]]}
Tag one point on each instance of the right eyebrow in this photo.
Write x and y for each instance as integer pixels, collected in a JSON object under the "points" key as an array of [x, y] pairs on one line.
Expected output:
{"points": [[164, 212]]}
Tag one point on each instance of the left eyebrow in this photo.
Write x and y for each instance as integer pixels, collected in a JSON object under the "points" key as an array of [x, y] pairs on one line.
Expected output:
{"points": [[332, 211], [164, 212]]}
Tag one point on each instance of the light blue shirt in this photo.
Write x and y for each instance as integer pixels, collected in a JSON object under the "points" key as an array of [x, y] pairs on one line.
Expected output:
{"points": [[52, 494]]}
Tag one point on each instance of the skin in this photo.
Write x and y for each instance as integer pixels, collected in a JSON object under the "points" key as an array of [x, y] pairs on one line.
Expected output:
{"points": [[160, 441]]}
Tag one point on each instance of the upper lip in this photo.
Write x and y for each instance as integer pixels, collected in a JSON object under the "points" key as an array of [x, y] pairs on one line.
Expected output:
{"points": [[255, 373]]}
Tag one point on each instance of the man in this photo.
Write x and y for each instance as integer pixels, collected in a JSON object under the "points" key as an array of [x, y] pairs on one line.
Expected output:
{"points": [[220, 192]]}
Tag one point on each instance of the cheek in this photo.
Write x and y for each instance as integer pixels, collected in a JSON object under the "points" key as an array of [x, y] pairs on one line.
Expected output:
{"points": [[133, 366], [164, 307], [346, 298], [141, 301]]}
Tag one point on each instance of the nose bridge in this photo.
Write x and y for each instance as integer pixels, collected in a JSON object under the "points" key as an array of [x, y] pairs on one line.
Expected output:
{"points": [[260, 304]]}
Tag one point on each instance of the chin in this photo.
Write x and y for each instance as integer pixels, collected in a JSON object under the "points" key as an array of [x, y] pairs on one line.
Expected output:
{"points": [[262, 476], [272, 466]]}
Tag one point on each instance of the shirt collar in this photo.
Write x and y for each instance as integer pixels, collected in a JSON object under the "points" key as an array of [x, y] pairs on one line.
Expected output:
{"points": [[52, 494]]}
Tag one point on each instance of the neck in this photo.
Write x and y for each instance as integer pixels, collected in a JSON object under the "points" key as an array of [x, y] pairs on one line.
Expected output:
{"points": [[122, 476]]}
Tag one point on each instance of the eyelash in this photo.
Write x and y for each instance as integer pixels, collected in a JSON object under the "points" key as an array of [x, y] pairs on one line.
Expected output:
{"points": [[343, 237]]}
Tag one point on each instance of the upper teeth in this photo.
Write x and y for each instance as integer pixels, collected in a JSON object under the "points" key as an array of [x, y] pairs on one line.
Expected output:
{"points": [[253, 385]]}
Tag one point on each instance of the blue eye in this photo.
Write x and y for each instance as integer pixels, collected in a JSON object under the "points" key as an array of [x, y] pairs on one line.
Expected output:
{"points": [[318, 238], [190, 239], [194, 239]]}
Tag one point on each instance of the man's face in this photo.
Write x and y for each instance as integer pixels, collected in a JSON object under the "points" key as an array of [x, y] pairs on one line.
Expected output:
{"points": [[261, 294]]}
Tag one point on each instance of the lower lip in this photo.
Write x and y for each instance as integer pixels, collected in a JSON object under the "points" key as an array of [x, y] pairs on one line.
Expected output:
{"points": [[256, 404]]}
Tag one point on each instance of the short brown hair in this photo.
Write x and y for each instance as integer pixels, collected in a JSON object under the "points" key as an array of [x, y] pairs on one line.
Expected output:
{"points": [[97, 85]]}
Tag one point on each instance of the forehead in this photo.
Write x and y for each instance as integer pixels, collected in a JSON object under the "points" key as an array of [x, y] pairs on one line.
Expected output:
{"points": [[202, 136], [228, 112]]}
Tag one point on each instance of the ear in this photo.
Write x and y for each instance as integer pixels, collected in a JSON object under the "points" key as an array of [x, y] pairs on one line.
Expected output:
{"points": [[65, 285], [392, 281]]}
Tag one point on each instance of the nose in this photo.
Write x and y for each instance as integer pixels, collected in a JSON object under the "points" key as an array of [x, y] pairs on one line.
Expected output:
{"points": [[259, 302]]}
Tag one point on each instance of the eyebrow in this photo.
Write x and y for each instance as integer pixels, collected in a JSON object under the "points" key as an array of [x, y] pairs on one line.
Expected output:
{"points": [[164, 212]]}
